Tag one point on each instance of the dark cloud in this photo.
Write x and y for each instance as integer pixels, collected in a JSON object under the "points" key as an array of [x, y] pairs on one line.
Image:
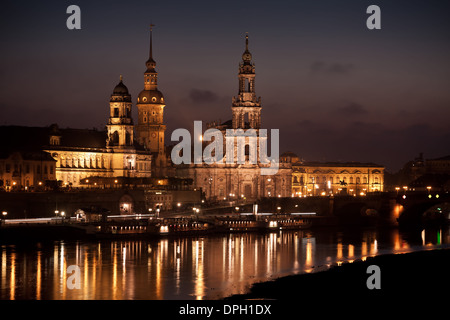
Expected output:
{"points": [[203, 96], [336, 68], [351, 109]]}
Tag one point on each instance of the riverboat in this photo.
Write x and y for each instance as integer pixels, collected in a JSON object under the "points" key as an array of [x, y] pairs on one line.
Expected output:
{"points": [[143, 226]]}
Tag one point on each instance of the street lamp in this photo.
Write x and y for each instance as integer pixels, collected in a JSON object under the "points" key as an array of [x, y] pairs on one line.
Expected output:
{"points": [[4, 213]]}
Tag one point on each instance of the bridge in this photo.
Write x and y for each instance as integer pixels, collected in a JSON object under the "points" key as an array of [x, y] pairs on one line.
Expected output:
{"points": [[417, 208]]}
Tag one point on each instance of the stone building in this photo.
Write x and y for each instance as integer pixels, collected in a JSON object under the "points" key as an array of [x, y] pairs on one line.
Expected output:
{"points": [[151, 128], [90, 158], [110, 154], [26, 170], [334, 178], [240, 181]]}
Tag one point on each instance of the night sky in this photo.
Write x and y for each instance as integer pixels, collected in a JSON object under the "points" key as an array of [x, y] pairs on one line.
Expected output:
{"points": [[336, 90]]}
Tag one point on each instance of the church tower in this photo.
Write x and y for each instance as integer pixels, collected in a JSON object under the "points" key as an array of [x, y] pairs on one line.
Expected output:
{"points": [[150, 104], [120, 123], [246, 107]]}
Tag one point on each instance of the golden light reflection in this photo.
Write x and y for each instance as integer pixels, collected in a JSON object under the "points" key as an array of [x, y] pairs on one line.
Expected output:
{"points": [[199, 268], [86, 279], [339, 251], [114, 277], [374, 247], [364, 248], [38, 276], [351, 250], [197, 259], [308, 253], [4, 261], [12, 277]]}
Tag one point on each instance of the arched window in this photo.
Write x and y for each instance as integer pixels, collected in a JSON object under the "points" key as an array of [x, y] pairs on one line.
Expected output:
{"points": [[127, 139], [115, 138]]}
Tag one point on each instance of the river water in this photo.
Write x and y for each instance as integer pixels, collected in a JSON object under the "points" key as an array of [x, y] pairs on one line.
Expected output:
{"points": [[210, 267]]}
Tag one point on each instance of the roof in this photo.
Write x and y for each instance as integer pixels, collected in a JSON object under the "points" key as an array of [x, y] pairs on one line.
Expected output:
{"points": [[35, 155], [83, 138], [338, 164], [21, 138], [446, 158]]}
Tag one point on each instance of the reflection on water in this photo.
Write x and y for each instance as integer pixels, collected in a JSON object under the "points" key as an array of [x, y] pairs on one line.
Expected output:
{"points": [[188, 268]]}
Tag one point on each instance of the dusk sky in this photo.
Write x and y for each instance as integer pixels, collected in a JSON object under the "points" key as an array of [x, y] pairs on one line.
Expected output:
{"points": [[336, 90]]}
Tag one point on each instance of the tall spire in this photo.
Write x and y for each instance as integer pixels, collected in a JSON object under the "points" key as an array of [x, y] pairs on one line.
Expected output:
{"points": [[246, 41], [151, 64], [151, 42]]}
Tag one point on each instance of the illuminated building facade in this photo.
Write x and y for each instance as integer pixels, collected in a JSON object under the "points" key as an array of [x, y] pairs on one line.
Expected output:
{"points": [[151, 128], [24, 170], [333, 178], [232, 181], [83, 154]]}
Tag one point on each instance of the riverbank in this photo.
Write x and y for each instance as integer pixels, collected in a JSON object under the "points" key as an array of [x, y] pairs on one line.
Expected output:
{"points": [[417, 276]]}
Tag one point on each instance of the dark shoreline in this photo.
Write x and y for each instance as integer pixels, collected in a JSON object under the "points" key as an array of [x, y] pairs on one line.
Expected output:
{"points": [[422, 276]]}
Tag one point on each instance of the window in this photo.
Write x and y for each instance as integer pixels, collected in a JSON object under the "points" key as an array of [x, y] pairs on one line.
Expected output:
{"points": [[51, 169], [116, 112]]}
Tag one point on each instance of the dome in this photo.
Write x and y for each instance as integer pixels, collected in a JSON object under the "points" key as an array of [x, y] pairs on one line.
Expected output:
{"points": [[121, 89], [120, 93], [151, 96]]}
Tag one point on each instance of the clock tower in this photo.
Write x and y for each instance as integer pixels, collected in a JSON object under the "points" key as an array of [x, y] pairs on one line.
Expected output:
{"points": [[246, 107], [150, 105]]}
